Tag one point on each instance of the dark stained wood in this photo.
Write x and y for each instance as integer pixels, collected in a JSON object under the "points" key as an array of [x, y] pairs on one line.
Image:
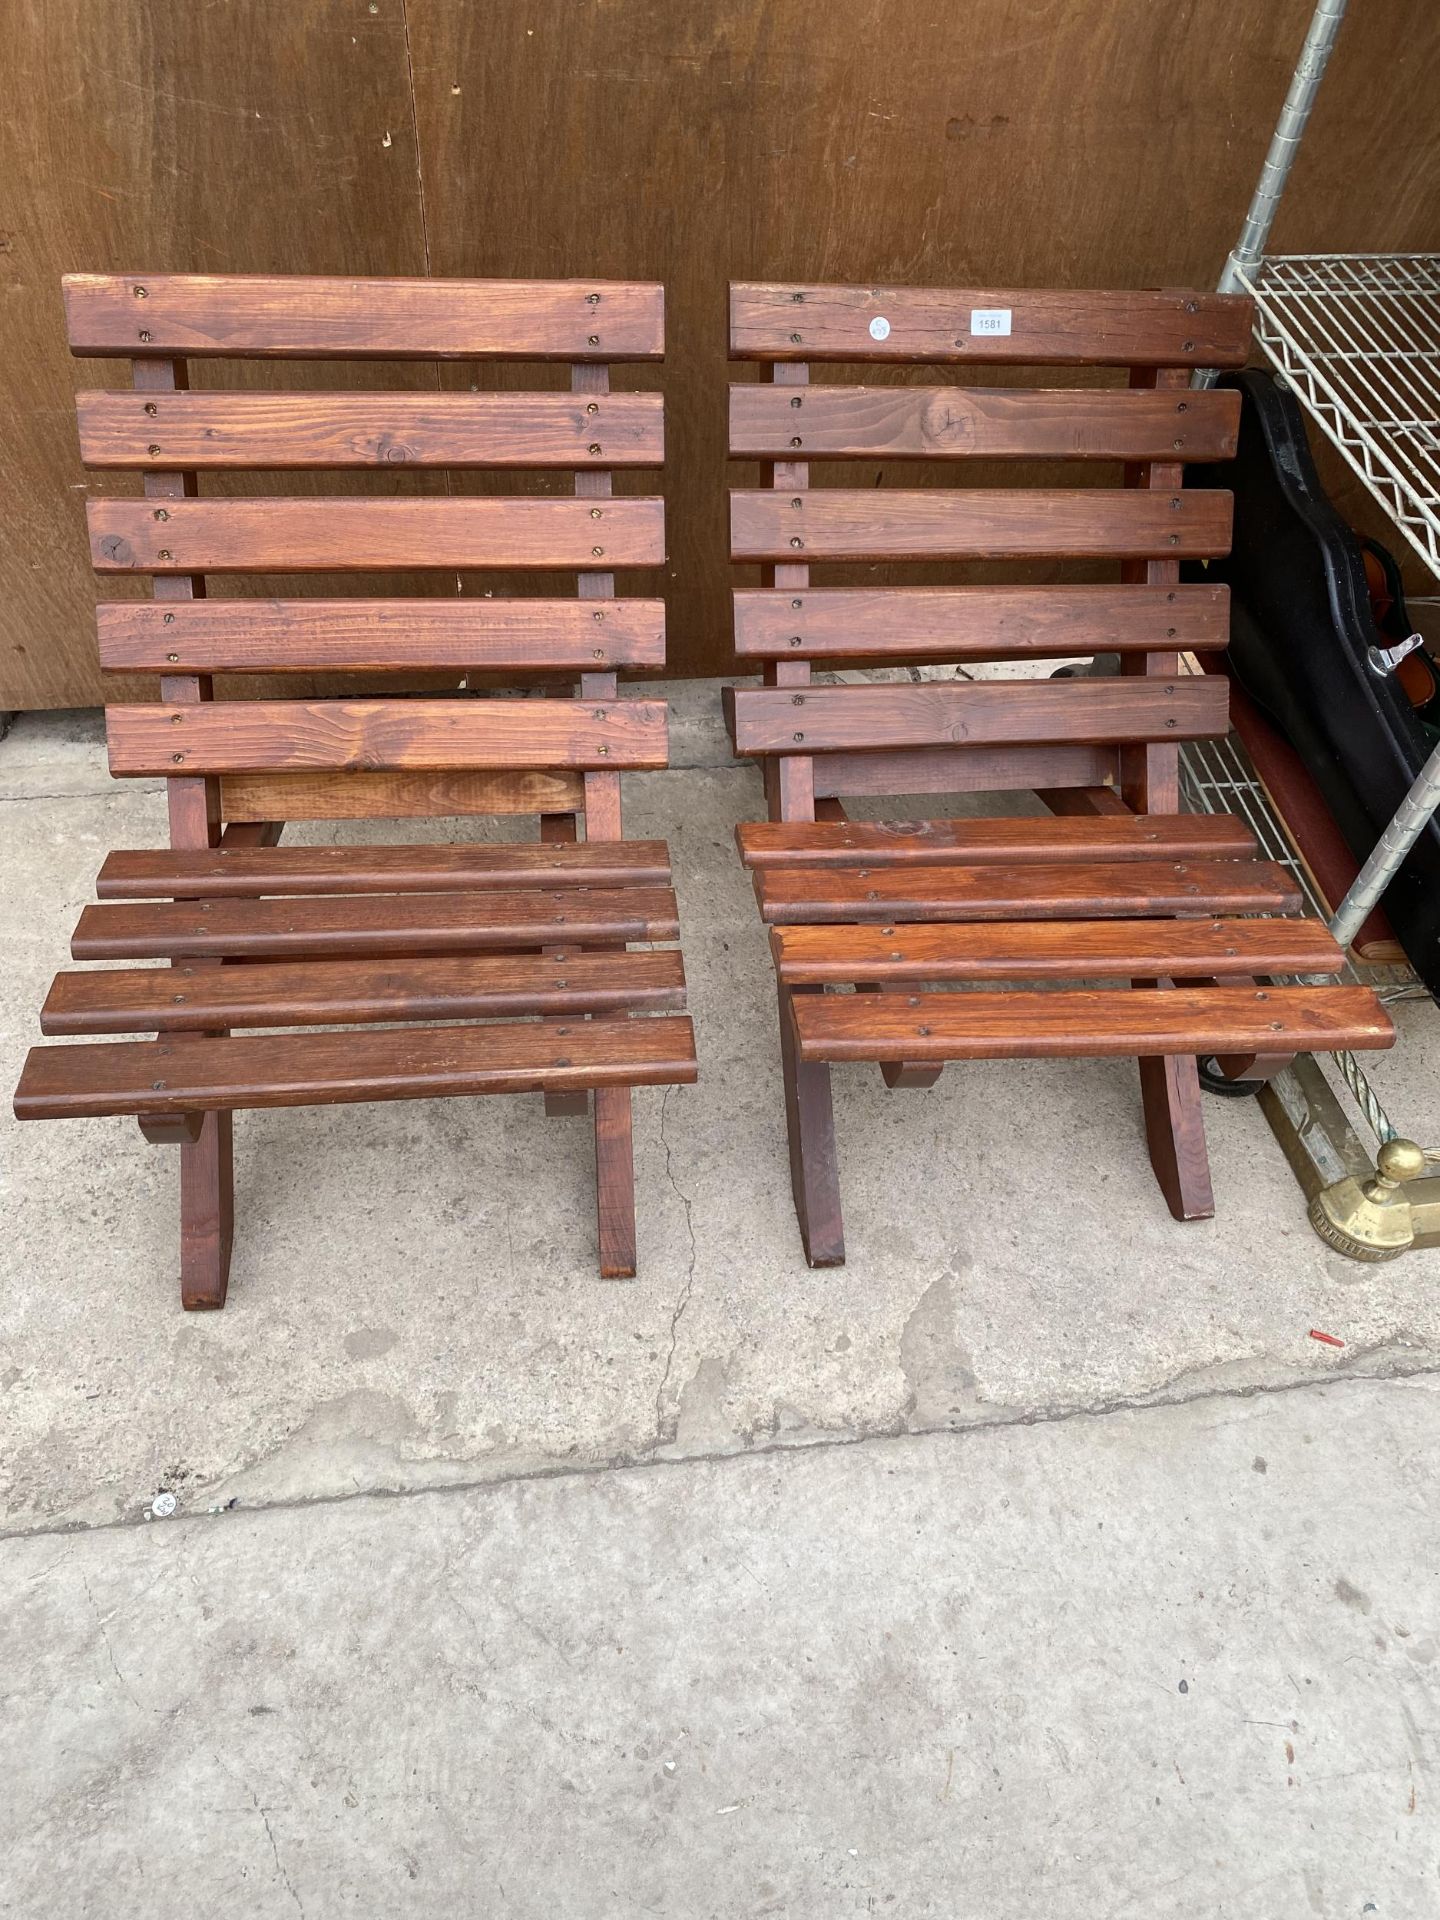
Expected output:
{"points": [[360, 796], [306, 535], [981, 713], [1075, 891], [1171, 1103], [172, 1129], [1085, 1023], [979, 423], [334, 430], [328, 992], [293, 736], [1052, 950], [615, 1182], [370, 924], [1053, 326], [183, 1073], [980, 841], [939, 523], [978, 623], [253, 871], [810, 1127], [334, 636], [955, 770], [305, 316]]}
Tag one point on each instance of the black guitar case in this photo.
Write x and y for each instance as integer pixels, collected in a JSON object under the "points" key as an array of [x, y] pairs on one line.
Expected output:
{"points": [[1301, 630]]}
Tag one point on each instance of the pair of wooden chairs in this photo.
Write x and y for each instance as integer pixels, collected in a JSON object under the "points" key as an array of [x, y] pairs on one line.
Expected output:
{"points": [[542, 966]]}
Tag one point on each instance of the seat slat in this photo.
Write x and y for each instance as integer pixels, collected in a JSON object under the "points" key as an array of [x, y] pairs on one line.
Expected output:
{"points": [[295, 316], [944, 523], [980, 423], [328, 992], [978, 623], [333, 430], [973, 842], [1045, 950], [278, 736], [188, 1074], [345, 636], [353, 535], [1088, 1023], [979, 714], [1053, 326], [252, 871], [1077, 891], [354, 924]]}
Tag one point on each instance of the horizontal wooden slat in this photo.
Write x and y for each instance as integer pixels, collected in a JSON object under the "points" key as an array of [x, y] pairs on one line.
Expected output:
{"points": [[979, 842], [978, 713], [980, 423], [1086, 1024], [356, 924], [1076, 891], [397, 796], [249, 872], [954, 770], [977, 623], [1052, 950], [943, 523], [329, 992], [304, 317], [346, 636], [283, 430], [187, 1074], [253, 736], [1054, 326], [350, 535]]}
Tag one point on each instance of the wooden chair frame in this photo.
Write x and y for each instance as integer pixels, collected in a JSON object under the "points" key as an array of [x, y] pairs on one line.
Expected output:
{"points": [[1119, 887], [533, 941]]}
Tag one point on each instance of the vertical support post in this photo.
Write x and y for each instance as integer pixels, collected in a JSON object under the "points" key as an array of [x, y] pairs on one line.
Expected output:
{"points": [[1150, 783], [207, 1200], [790, 795], [789, 778], [614, 1118]]}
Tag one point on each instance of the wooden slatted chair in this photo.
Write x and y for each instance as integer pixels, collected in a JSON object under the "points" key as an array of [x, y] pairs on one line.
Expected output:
{"points": [[462, 938], [1120, 887]]}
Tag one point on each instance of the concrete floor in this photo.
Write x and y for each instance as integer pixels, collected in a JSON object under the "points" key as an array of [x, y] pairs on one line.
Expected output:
{"points": [[859, 1590]]}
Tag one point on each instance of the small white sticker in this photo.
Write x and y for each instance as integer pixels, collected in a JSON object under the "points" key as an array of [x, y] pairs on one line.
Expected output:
{"points": [[880, 328], [990, 319]]}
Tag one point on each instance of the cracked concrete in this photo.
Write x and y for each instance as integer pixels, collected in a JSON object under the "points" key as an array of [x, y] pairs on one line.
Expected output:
{"points": [[976, 1574]]}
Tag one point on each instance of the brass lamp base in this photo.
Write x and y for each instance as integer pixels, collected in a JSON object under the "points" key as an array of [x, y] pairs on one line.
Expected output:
{"points": [[1371, 1219]]}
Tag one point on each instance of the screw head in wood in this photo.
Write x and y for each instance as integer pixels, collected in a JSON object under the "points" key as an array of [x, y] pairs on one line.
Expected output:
{"points": [[602, 748], [172, 656], [795, 442], [795, 640], [595, 446], [594, 339], [169, 620], [1189, 347], [165, 554], [140, 293], [593, 407], [799, 736], [592, 299], [177, 756], [796, 401], [594, 513], [144, 335], [153, 450], [1173, 540], [796, 605], [797, 699], [795, 339], [1182, 406], [161, 514], [796, 541], [150, 407], [597, 551]]}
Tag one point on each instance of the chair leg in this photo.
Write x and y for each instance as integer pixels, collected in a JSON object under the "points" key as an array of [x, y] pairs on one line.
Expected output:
{"points": [[207, 1214], [1175, 1131], [615, 1183], [814, 1169]]}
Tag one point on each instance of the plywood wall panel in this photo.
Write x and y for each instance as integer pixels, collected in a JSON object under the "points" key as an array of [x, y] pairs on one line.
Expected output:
{"points": [[1080, 142]]}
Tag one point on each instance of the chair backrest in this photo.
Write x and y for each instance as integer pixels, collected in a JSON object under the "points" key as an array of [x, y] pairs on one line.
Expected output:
{"points": [[249, 761], [936, 736]]}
